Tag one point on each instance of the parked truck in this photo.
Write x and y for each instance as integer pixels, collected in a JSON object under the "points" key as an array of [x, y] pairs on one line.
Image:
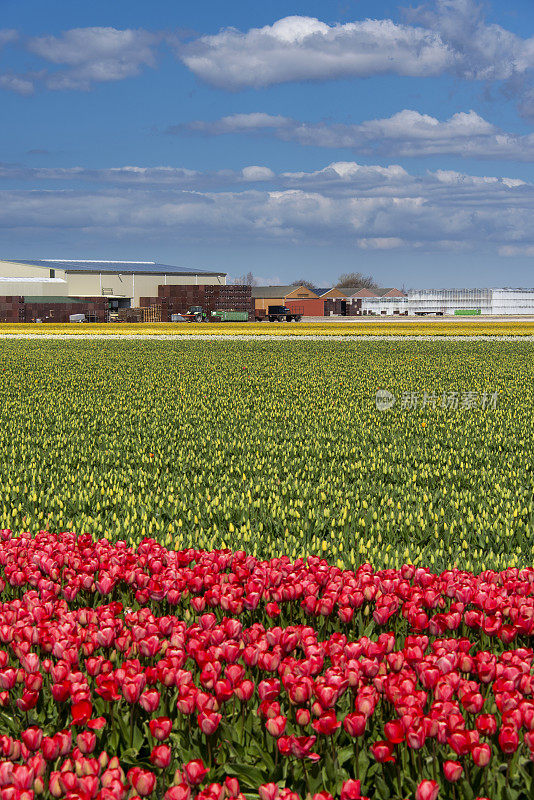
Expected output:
{"points": [[278, 314]]}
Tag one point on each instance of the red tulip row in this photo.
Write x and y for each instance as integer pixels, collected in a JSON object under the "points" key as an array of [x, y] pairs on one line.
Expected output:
{"points": [[152, 673]]}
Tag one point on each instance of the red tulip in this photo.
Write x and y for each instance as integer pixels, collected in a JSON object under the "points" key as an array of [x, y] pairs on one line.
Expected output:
{"points": [[161, 756], [350, 790], [142, 781], [354, 724], [32, 737], [460, 742], [22, 777], [244, 691], [452, 770], [427, 790], [96, 724], [86, 742], [232, 786], [268, 791], [394, 731], [50, 748], [276, 725], [269, 689], [486, 724], [107, 688], [327, 723], [208, 722], [508, 739], [160, 728], [302, 717], [481, 754], [81, 712], [382, 751], [28, 700], [301, 747], [194, 772], [180, 791]]}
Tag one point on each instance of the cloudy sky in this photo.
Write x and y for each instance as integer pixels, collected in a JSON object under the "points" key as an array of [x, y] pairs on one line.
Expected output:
{"points": [[294, 140]]}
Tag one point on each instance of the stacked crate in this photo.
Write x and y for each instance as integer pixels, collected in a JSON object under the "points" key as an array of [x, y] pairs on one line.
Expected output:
{"points": [[130, 315], [231, 298], [179, 299], [94, 308], [10, 308], [151, 313]]}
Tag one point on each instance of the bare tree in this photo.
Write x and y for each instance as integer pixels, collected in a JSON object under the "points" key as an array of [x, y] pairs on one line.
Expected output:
{"points": [[246, 280], [303, 282], [356, 280]]}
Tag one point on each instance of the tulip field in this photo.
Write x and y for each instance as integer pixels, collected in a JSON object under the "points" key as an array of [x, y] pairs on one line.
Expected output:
{"points": [[353, 326], [228, 572]]}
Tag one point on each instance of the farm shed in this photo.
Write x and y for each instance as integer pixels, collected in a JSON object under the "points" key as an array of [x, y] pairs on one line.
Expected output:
{"points": [[122, 282], [293, 297]]}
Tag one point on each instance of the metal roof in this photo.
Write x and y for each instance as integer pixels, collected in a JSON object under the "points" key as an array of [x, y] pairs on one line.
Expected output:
{"points": [[360, 291], [272, 291], [127, 267], [390, 292]]}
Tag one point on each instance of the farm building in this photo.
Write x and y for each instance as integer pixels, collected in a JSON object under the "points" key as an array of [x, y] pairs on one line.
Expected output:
{"points": [[331, 294], [330, 301], [384, 302], [471, 301], [299, 299], [357, 302], [122, 282]]}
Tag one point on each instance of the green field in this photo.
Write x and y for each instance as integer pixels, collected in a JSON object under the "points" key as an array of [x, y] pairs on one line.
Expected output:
{"points": [[275, 448]]}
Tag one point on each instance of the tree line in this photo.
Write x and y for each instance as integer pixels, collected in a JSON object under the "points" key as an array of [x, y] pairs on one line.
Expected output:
{"points": [[352, 280]]}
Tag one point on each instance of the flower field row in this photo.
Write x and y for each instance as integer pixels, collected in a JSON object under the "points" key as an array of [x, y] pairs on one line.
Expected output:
{"points": [[147, 672], [515, 327], [274, 449]]}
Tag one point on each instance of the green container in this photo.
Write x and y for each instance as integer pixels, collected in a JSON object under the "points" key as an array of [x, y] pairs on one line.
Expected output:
{"points": [[467, 312], [230, 316]]}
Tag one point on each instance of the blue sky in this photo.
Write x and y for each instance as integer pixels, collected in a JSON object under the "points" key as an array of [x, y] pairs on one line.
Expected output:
{"points": [[289, 139]]}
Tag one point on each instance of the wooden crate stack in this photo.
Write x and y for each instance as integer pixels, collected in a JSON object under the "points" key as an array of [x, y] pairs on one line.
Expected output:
{"points": [[11, 308], [94, 308], [151, 313], [178, 299]]}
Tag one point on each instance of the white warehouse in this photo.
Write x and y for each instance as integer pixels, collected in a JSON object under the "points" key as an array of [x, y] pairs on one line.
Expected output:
{"points": [[470, 301]]}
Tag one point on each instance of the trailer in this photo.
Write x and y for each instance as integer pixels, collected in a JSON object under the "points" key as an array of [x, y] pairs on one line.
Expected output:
{"points": [[229, 316], [278, 314]]}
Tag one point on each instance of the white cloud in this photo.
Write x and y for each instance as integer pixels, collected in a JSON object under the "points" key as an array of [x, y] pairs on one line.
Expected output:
{"points": [[7, 35], [303, 48], [481, 51], [235, 123], [445, 36], [406, 134], [381, 243], [370, 207], [176, 177], [16, 83], [10, 81], [512, 251], [257, 173], [94, 55]]}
